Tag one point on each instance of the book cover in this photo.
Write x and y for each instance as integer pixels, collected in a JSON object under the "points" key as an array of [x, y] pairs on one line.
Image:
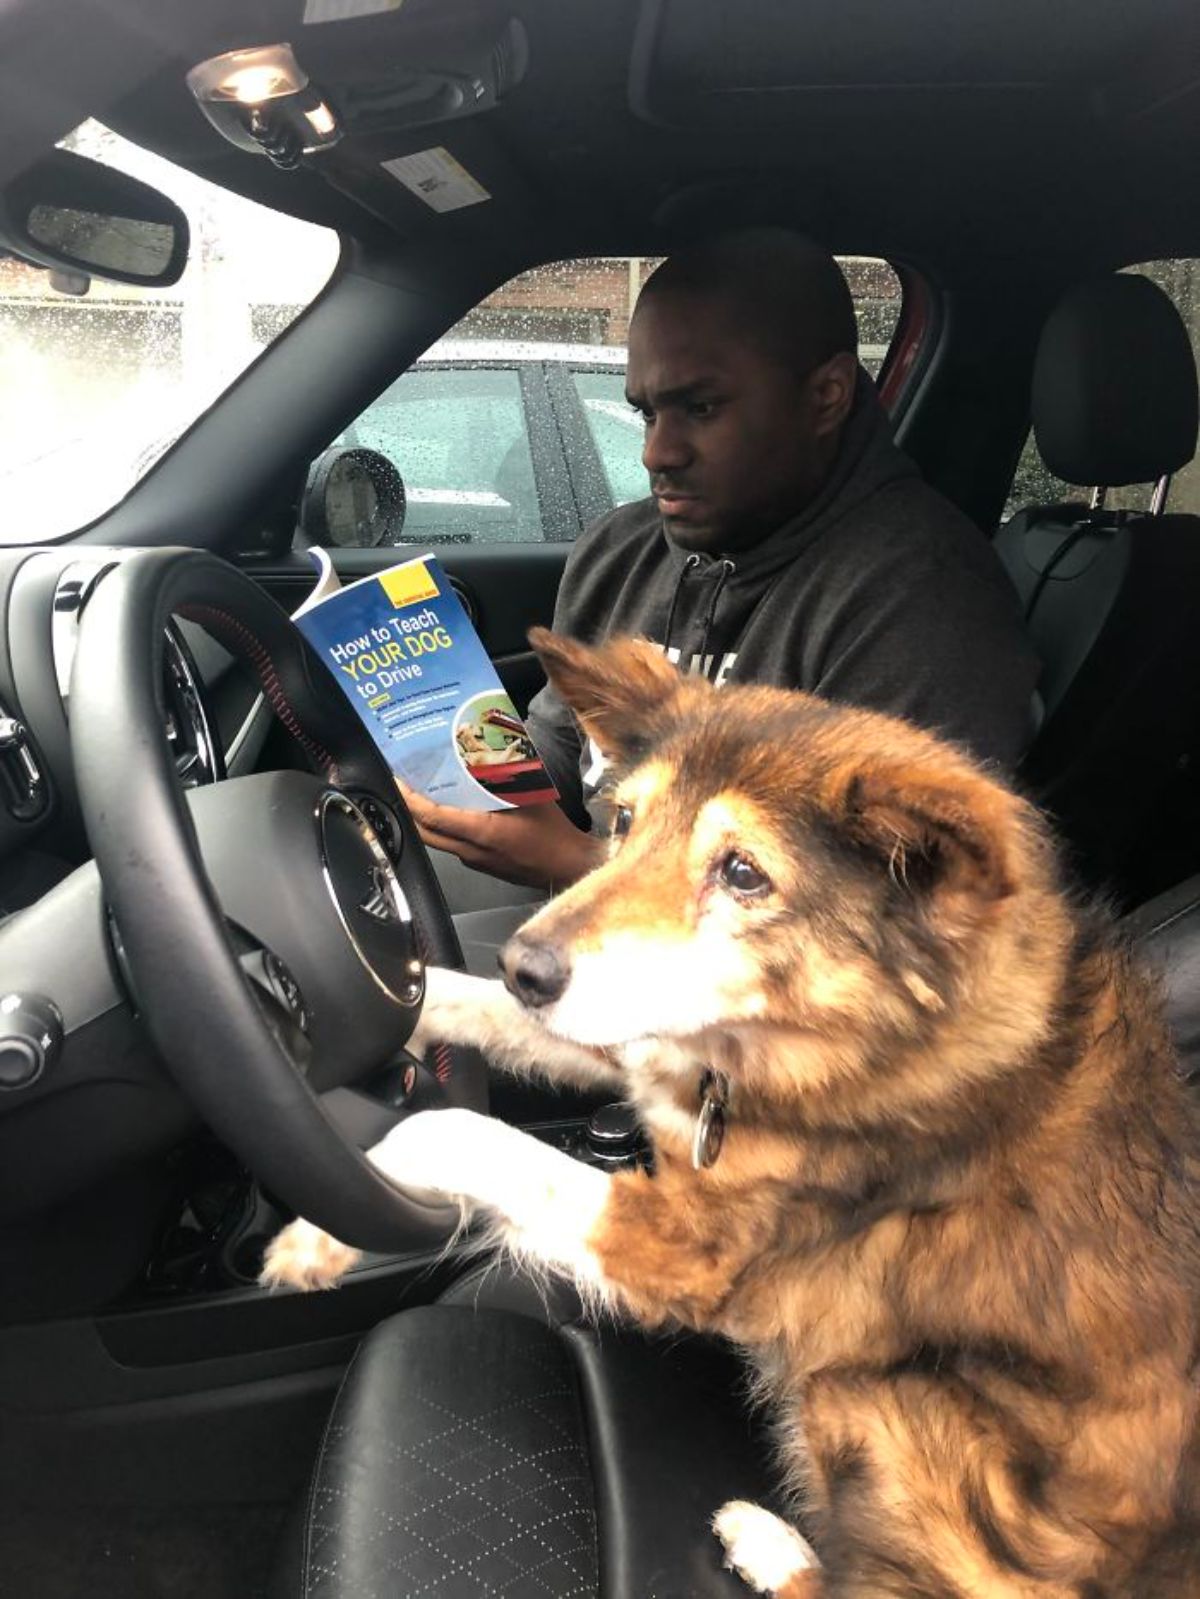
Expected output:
{"points": [[409, 660]]}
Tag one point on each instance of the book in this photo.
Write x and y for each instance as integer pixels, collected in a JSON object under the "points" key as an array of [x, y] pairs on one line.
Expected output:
{"points": [[405, 654]]}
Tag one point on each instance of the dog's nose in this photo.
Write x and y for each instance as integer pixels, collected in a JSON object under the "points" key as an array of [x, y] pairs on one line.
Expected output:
{"points": [[536, 974]]}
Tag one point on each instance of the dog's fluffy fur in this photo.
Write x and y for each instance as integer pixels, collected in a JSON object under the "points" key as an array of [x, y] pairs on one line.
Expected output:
{"points": [[954, 1221]]}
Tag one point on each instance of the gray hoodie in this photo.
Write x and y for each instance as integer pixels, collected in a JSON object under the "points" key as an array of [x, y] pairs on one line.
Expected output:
{"points": [[879, 593]]}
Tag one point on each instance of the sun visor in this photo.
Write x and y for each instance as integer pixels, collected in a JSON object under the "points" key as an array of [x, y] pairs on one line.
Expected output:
{"points": [[708, 64], [418, 67]]}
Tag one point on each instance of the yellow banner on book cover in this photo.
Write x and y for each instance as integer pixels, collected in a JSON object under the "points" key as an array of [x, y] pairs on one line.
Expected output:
{"points": [[409, 585]]}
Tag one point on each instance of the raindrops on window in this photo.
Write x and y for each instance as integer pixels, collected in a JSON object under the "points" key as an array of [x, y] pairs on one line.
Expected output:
{"points": [[1035, 484], [96, 386], [475, 428]]}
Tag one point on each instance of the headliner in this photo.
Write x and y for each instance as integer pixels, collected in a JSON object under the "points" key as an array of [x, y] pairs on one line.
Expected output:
{"points": [[1009, 138]]}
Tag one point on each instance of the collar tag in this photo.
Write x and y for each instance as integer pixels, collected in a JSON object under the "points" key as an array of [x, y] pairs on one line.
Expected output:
{"points": [[709, 1134]]}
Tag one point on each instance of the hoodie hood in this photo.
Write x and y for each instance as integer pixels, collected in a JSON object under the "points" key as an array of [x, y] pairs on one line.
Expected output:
{"points": [[879, 592], [711, 587], [867, 460]]}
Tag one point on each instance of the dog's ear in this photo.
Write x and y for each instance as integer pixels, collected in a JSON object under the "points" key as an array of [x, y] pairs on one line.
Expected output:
{"points": [[935, 832], [618, 689]]}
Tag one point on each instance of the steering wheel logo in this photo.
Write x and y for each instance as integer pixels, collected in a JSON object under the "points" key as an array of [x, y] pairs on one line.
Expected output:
{"points": [[379, 902]]}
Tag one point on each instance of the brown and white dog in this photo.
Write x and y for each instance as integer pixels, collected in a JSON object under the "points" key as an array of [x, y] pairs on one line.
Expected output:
{"points": [[954, 1217]]}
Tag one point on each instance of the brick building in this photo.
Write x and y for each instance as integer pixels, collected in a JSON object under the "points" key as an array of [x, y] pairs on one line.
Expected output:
{"points": [[590, 301]]}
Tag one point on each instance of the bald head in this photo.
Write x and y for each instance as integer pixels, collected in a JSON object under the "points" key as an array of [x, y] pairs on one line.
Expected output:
{"points": [[776, 288]]}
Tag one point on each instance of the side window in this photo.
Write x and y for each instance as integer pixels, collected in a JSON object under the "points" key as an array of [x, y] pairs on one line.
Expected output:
{"points": [[616, 432], [1035, 484], [878, 300], [458, 438], [1181, 280], [482, 427]]}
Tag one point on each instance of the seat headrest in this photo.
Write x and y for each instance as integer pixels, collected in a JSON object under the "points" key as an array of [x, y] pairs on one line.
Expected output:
{"points": [[1114, 385]]}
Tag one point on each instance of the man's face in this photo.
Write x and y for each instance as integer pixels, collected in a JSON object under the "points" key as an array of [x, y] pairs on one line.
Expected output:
{"points": [[735, 442]]}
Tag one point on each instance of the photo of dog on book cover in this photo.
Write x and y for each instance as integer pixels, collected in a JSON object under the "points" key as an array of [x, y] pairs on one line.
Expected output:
{"points": [[497, 752]]}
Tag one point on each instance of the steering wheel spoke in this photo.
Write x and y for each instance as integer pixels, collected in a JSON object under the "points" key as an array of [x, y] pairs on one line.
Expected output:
{"points": [[277, 994]]}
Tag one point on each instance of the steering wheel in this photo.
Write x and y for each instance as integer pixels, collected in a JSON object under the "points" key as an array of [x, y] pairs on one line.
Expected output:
{"points": [[272, 929]]}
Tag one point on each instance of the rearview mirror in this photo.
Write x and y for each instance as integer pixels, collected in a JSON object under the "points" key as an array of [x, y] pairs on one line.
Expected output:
{"points": [[69, 212]]}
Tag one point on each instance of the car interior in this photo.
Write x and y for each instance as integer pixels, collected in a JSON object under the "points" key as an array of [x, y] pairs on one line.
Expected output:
{"points": [[192, 1050]]}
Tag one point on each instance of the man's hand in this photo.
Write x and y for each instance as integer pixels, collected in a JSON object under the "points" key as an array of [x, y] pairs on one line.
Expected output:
{"points": [[534, 844]]}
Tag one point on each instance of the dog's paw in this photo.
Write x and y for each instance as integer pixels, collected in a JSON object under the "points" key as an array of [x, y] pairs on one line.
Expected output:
{"points": [[766, 1553], [455, 1156], [304, 1257], [434, 1153], [454, 1009]]}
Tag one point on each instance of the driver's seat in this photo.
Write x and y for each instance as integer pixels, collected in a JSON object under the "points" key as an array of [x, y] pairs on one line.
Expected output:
{"points": [[494, 1443]]}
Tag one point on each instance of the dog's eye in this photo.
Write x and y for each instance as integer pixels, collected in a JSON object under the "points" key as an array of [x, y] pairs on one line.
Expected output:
{"points": [[743, 877], [622, 821]]}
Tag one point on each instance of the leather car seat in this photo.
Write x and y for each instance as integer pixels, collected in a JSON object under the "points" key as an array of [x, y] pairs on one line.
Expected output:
{"points": [[1109, 595], [495, 1443], [498, 1443]]}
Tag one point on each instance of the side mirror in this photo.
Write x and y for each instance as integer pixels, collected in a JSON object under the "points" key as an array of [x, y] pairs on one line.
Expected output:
{"points": [[72, 214], [354, 498]]}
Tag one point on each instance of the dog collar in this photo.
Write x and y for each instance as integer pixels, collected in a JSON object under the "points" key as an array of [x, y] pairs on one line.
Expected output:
{"points": [[709, 1134]]}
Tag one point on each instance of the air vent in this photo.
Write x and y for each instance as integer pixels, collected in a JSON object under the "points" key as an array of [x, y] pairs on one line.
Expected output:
{"points": [[196, 753]]}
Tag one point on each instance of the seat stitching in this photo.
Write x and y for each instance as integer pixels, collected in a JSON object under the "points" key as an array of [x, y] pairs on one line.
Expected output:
{"points": [[470, 1429], [313, 1485]]}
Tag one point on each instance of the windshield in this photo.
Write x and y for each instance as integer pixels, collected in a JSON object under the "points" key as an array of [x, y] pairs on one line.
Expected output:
{"points": [[95, 387]]}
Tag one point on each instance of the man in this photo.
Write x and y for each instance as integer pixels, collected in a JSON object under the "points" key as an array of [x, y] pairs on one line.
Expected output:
{"points": [[786, 540]]}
